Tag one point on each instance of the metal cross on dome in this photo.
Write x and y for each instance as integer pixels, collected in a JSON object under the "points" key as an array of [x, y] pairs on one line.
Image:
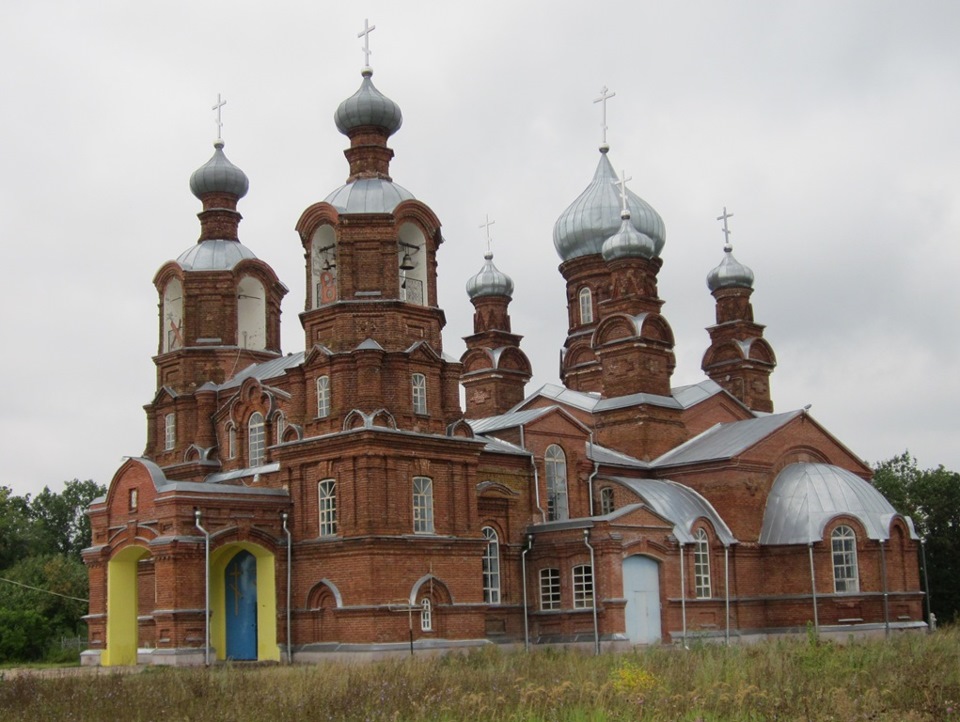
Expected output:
{"points": [[726, 229], [622, 183], [365, 34], [605, 95], [219, 121], [486, 226]]}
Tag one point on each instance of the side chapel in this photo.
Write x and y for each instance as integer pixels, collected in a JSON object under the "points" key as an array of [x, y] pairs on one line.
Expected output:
{"points": [[341, 500]]}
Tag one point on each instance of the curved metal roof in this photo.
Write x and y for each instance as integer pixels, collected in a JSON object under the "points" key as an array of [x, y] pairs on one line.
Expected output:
{"points": [[679, 504], [628, 242], [368, 106], [219, 175], [490, 281], [730, 273], [214, 255], [806, 496], [369, 195]]}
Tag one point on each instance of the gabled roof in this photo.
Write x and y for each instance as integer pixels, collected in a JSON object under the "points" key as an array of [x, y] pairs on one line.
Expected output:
{"points": [[693, 394], [603, 455], [724, 441], [504, 447], [512, 419], [274, 368], [683, 397]]}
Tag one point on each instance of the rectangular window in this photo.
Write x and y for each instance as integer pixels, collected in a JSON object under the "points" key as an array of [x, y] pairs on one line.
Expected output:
{"points": [[701, 565], [279, 427], [583, 587], [549, 589], [426, 616], [422, 505], [232, 442], [132, 500], [606, 501], [323, 397], [419, 382], [169, 432], [327, 492]]}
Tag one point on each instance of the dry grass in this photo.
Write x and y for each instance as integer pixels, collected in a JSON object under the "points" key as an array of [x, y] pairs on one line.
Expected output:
{"points": [[911, 677]]}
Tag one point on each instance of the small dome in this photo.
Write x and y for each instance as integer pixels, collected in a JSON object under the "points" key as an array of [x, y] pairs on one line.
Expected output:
{"points": [[219, 175], [491, 281], [594, 216], [213, 255], [368, 106], [628, 242], [730, 273], [369, 195]]}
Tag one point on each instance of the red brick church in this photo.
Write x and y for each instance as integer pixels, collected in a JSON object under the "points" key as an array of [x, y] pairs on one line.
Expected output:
{"points": [[342, 500]]}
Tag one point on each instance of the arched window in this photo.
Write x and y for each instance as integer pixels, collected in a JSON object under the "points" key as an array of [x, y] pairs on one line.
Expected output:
{"points": [[701, 565], [171, 325], [323, 397], [606, 501], [586, 305], [231, 441], [279, 424], [169, 432], [412, 263], [556, 464], [255, 439], [422, 505], [324, 266], [426, 615], [549, 589], [846, 578], [491, 566], [327, 501], [251, 314], [419, 385], [583, 586]]}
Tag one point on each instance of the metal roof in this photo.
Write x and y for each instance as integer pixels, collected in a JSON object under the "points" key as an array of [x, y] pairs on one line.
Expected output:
{"points": [[369, 195], [724, 441], [274, 368], [578, 399], [219, 175], [620, 402], [603, 455], [368, 106], [214, 255], [679, 504], [730, 273], [490, 281], [504, 447], [805, 497], [508, 420], [693, 394]]}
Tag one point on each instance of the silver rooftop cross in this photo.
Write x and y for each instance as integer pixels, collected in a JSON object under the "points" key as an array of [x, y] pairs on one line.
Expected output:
{"points": [[219, 121], [486, 226], [726, 229], [605, 95], [622, 183], [365, 34]]}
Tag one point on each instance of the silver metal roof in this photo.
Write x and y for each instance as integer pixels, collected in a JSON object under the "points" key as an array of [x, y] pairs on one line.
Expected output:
{"points": [[508, 420], [162, 484], [214, 255], [578, 399], [595, 216], [368, 106], [724, 441], [369, 195], [681, 505], [628, 242], [805, 497], [504, 447], [272, 369], [219, 175], [603, 455], [730, 273], [693, 394], [490, 281]]}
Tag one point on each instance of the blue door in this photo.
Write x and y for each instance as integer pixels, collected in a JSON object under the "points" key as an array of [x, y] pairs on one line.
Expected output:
{"points": [[241, 606], [641, 588]]}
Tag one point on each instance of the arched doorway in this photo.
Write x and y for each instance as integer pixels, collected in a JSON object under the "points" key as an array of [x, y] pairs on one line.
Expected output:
{"points": [[123, 606], [641, 589], [240, 589], [243, 602]]}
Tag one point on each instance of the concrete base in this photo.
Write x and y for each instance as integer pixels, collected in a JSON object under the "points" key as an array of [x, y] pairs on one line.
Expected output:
{"points": [[831, 632], [90, 658]]}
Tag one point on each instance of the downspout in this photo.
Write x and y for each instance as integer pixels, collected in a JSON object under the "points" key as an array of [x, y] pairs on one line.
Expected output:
{"points": [[536, 477], [926, 579], [726, 588], [883, 577], [596, 587], [683, 597], [286, 531], [523, 565], [596, 470], [206, 588], [813, 588]]}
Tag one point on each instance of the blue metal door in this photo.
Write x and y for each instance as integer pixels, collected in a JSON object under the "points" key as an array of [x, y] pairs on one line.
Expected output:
{"points": [[641, 588], [241, 606]]}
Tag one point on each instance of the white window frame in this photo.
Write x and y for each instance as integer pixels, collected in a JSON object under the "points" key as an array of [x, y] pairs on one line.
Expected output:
{"points": [[231, 441], [585, 300], [169, 432], [846, 573], [426, 615], [423, 505], [279, 424], [327, 505], [256, 439], [555, 463], [491, 566], [701, 565], [418, 384], [549, 588], [606, 501], [583, 586], [323, 397]]}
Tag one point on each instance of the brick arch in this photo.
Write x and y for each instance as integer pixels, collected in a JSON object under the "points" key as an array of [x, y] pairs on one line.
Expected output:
{"points": [[432, 587], [313, 217], [654, 327], [414, 211], [324, 595], [579, 354], [760, 350], [728, 351], [513, 359], [615, 328], [798, 455], [477, 359]]}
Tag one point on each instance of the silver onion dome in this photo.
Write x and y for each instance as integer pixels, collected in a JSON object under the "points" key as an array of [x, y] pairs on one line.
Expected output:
{"points": [[491, 281], [730, 273], [219, 175], [628, 242], [368, 106], [594, 216], [214, 255]]}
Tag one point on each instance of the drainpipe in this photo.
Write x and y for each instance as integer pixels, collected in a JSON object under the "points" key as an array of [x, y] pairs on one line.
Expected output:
{"points": [[596, 470], [926, 579], [683, 597], [813, 588], [593, 573], [726, 588], [523, 565], [206, 588], [883, 577], [286, 531]]}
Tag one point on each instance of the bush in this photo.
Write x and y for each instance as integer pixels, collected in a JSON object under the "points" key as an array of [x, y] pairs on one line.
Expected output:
{"points": [[24, 635]]}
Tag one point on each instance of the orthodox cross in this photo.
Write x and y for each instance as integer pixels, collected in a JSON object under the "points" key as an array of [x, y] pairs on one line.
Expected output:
{"points": [[365, 34], [623, 188], [219, 121], [486, 226], [726, 229], [605, 95], [235, 586]]}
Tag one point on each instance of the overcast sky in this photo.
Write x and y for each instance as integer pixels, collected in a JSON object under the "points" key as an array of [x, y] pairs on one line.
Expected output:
{"points": [[829, 130]]}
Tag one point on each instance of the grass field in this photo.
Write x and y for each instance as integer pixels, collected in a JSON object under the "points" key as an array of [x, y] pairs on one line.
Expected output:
{"points": [[909, 677]]}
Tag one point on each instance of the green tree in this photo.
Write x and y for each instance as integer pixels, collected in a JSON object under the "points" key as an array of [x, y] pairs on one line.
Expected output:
{"points": [[61, 525], [15, 527], [931, 498]]}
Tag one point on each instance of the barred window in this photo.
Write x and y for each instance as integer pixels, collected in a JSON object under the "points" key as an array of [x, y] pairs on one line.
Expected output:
{"points": [[422, 505], [549, 589], [327, 497], [255, 439], [606, 501], [556, 466], [701, 565], [323, 397], [491, 567], [583, 586], [846, 578], [169, 432], [419, 384]]}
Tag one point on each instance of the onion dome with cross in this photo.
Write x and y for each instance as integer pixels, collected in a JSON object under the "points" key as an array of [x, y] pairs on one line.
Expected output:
{"points": [[490, 281], [730, 273], [368, 106], [628, 242], [219, 175]]}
